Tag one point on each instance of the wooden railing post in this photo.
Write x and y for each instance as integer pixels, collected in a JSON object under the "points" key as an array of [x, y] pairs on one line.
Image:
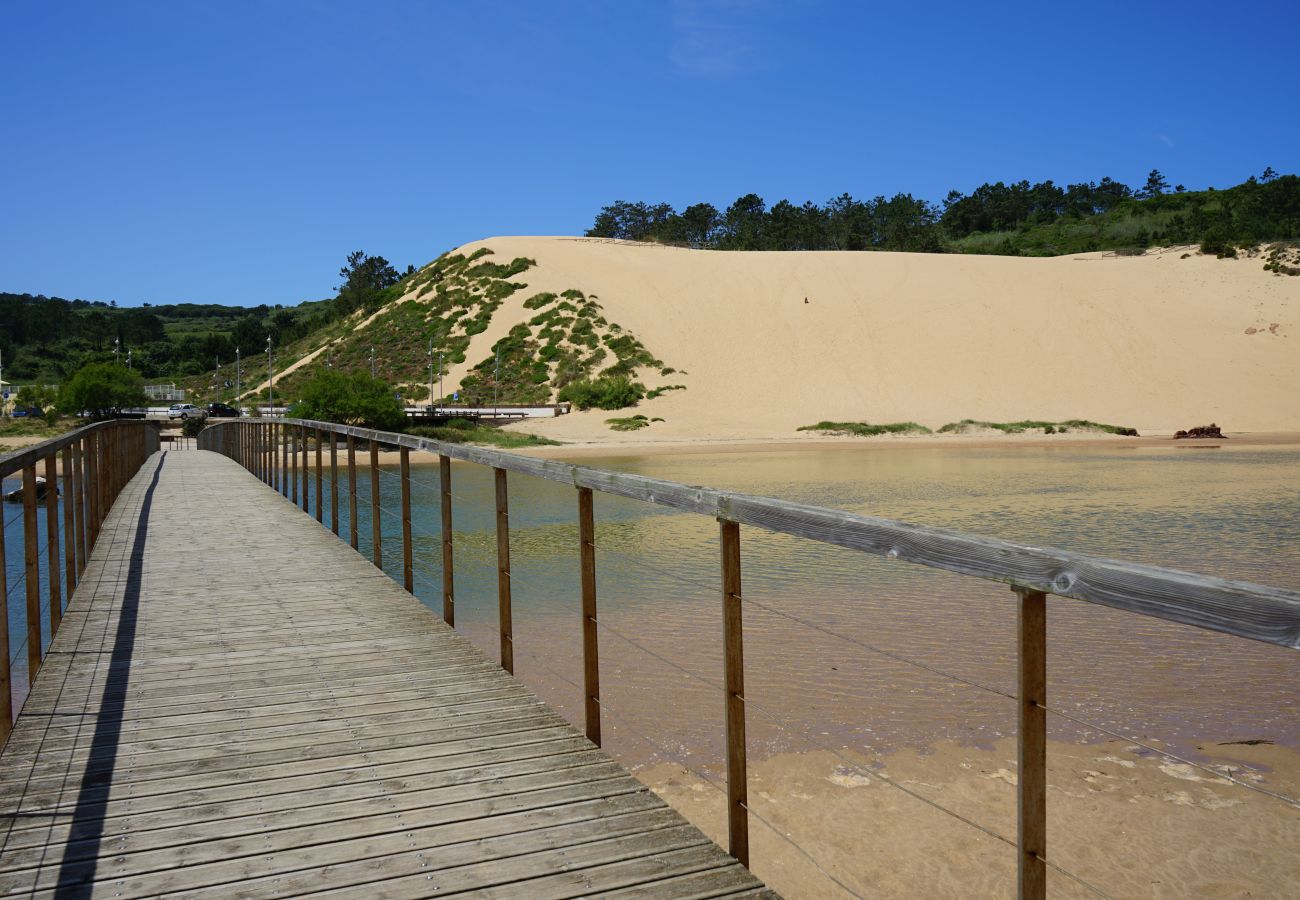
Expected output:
{"points": [[283, 438], [504, 619], [69, 534], [590, 648], [334, 482], [79, 502], [32, 550], [733, 664], [293, 463], [448, 580], [408, 555], [320, 485], [6, 688], [92, 489], [52, 540], [353, 530], [376, 526], [1031, 771], [306, 469]]}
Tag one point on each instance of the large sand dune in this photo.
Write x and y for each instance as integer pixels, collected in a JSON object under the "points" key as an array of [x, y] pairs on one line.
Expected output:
{"points": [[772, 341]]}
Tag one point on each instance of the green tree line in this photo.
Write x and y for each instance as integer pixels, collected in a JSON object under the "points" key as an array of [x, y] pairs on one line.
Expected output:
{"points": [[46, 339], [1261, 209]]}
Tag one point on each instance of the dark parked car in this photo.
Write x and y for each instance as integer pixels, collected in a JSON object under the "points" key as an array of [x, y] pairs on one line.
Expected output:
{"points": [[222, 411], [34, 412]]}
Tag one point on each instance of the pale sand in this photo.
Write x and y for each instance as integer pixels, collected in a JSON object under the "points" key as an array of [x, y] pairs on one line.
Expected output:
{"points": [[1157, 342], [1134, 824]]}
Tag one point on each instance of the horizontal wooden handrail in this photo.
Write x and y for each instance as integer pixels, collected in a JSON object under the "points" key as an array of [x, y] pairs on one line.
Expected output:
{"points": [[12, 463], [1240, 608]]}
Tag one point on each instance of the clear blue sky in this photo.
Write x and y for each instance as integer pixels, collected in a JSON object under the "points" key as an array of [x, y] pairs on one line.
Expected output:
{"points": [[237, 152]]}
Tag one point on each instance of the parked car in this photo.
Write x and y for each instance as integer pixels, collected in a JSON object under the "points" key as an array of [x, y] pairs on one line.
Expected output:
{"points": [[34, 412], [185, 411], [222, 411]]}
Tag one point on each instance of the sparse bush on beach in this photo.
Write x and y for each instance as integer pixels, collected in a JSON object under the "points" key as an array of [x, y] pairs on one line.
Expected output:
{"points": [[969, 425], [866, 429], [630, 423], [466, 431], [605, 392]]}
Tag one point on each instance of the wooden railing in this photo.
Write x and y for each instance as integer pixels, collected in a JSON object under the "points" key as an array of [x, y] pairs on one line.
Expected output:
{"points": [[271, 451], [84, 472]]}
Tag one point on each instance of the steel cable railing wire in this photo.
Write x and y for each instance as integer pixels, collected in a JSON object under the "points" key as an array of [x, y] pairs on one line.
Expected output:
{"points": [[1012, 697], [857, 765], [620, 719]]}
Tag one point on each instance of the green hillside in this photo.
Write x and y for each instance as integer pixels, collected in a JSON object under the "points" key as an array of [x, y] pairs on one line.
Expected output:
{"points": [[443, 306]]}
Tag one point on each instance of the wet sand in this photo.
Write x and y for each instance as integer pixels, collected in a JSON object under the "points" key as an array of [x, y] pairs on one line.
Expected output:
{"points": [[1130, 822]]}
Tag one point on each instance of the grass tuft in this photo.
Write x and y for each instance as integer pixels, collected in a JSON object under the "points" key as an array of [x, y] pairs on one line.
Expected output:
{"points": [[866, 429]]}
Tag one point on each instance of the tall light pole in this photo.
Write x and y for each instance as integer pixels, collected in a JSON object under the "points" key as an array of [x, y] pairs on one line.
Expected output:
{"points": [[373, 373], [128, 359], [430, 355], [441, 393], [117, 351], [496, 386], [237, 376], [270, 374], [4, 392]]}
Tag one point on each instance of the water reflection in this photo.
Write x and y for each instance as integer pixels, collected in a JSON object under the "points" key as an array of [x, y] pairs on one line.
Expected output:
{"points": [[1231, 513]]}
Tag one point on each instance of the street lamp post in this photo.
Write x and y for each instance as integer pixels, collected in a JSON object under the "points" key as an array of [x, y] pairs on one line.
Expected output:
{"points": [[373, 373], [430, 355], [496, 386], [237, 376], [270, 375], [117, 351]]}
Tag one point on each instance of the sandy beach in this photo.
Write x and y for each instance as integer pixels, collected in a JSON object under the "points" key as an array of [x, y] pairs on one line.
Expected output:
{"points": [[767, 342], [1131, 822]]}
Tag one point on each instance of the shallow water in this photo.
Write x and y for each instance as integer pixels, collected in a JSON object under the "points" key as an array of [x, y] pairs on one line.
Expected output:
{"points": [[817, 618], [845, 650]]}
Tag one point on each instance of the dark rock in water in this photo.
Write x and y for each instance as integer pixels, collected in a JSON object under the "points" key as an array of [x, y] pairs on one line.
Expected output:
{"points": [[16, 495], [1201, 431]]}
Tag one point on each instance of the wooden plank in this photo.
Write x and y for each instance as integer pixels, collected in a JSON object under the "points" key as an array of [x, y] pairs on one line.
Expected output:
{"points": [[79, 503], [376, 517], [733, 665], [334, 483], [408, 559], [505, 622], [52, 541], [448, 577], [1031, 766], [32, 572], [6, 687], [352, 492], [288, 739], [590, 638], [1258, 612], [69, 539], [320, 484]]}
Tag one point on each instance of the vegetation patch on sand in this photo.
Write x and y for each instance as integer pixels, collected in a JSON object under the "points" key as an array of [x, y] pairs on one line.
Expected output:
{"points": [[465, 431], [630, 423], [966, 426], [866, 429]]}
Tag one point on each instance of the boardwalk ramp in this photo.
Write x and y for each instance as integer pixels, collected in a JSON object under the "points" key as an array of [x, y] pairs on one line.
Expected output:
{"points": [[238, 704]]}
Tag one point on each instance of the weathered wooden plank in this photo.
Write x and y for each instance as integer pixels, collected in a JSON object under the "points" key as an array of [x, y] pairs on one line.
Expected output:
{"points": [[1031, 760], [131, 814], [733, 665], [289, 737]]}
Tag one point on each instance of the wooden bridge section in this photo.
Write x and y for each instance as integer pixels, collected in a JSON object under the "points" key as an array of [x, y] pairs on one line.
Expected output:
{"points": [[238, 704]]}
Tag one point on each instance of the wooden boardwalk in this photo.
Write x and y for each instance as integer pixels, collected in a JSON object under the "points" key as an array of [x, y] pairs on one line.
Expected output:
{"points": [[238, 704]]}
